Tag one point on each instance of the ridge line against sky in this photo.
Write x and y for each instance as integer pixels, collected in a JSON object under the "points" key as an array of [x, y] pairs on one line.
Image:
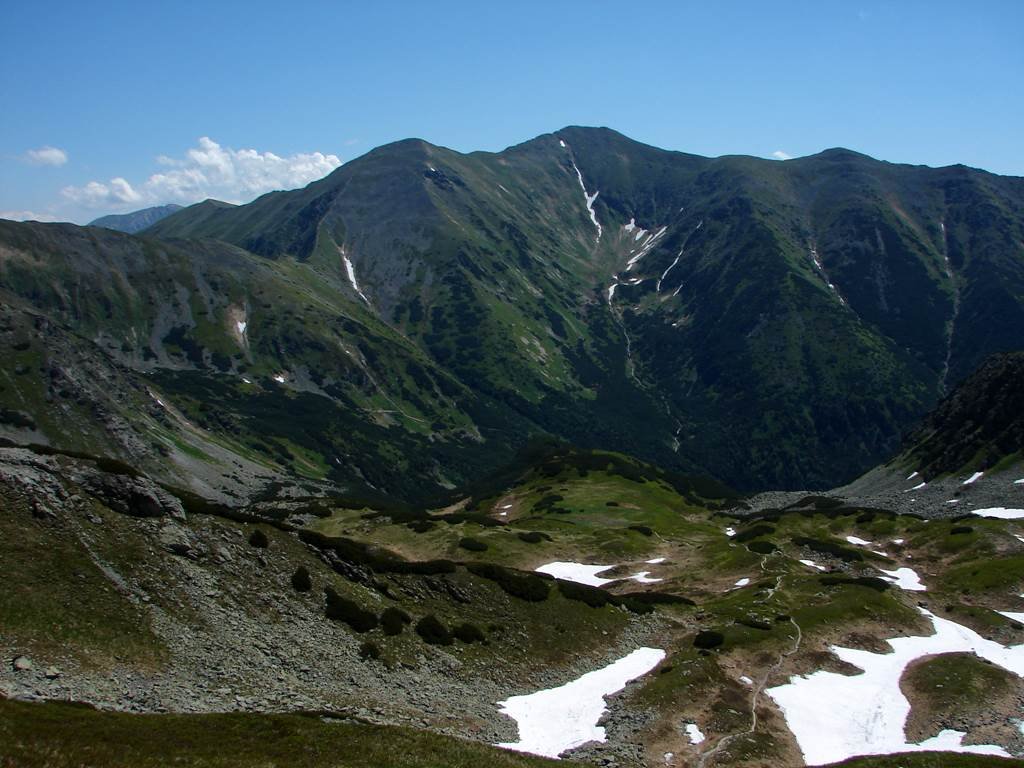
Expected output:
{"points": [[169, 111]]}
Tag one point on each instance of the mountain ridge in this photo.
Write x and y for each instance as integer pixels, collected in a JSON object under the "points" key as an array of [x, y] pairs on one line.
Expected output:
{"points": [[776, 324]]}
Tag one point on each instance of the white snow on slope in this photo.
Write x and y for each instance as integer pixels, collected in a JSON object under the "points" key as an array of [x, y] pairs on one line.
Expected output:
{"points": [[730, 532], [588, 574], [241, 325], [645, 247], [898, 541], [746, 680], [665, 273], [590, 201], [858, 541], [1013, 616], [873, 708], [561, 143], [917, 487], [351, 270], [279, 378], [1019, 482], [556, 719], [631, 226], [695, 734], [973, 478], [743, 582], [905, 578], [611, 291], [655, 561], [812, 564], [912, 475], [1001, 512]]}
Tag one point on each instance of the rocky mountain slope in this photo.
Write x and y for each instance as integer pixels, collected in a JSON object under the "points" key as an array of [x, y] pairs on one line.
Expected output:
{"points": [[138, 599], [136, 221], [406, 323]]}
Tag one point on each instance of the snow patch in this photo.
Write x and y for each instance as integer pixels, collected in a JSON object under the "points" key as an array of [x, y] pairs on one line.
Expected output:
{"points": [[665, 274], [1000, 512], [858, 541], [588, 574], [912, 475], [279, 378], [655, 561], [730, 532], [631, 226], [351, 270], [746, 680], [561, 144], [973, 478], [812, 564], [917, 487], [1019, 482], [556, 719], [241, 325], [874, 709], [898, 541], [590, 201], [905, 578], [696, 737], [742, 582]]}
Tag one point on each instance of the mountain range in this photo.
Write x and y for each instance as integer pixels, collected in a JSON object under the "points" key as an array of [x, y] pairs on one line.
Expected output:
{"points": [[136, 221], [414, 319]]}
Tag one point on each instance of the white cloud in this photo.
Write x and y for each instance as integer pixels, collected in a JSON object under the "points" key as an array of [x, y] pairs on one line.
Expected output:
{"points": [[208, 170], [27, 216], [47, 156], [778, 154]]}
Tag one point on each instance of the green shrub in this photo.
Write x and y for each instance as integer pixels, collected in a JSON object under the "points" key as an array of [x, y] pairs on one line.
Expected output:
{"points": [[433, 631], [469, 633], [301, 580], [642, 529], [958, 529], [871, 582], [762, 547], [342, 609], [421, 526], [393, 620], [526, 586], [259, 539], [749, 534], [369, 650], [595, 597], [473, 545], [828, 548], [533, 537], [708, 638]]}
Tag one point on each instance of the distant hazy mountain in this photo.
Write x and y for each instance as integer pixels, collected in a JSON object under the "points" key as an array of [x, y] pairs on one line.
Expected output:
{"points": [[135, 221], [409, 321]]}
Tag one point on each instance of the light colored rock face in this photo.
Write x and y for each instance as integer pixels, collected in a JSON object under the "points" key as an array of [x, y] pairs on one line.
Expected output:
{"points": [[23, 664]]}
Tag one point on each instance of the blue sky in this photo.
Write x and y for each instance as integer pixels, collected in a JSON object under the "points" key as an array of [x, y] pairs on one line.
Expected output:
{"points": [[114, 106]]}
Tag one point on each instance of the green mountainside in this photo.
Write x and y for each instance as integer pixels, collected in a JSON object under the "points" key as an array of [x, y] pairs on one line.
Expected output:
{"points": [[135, 221], [405, 324]]}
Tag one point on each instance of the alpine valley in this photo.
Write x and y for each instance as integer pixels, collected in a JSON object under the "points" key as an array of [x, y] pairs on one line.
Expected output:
{"points": [[582, 448]]}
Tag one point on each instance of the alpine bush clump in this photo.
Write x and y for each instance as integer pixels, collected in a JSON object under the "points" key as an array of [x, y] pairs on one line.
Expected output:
{"points": [[526, 586], [259, 539], [342, 609], [433, 631], [708, 638], [301, 581], [393, 620], [473, 545], [469, 633]]}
